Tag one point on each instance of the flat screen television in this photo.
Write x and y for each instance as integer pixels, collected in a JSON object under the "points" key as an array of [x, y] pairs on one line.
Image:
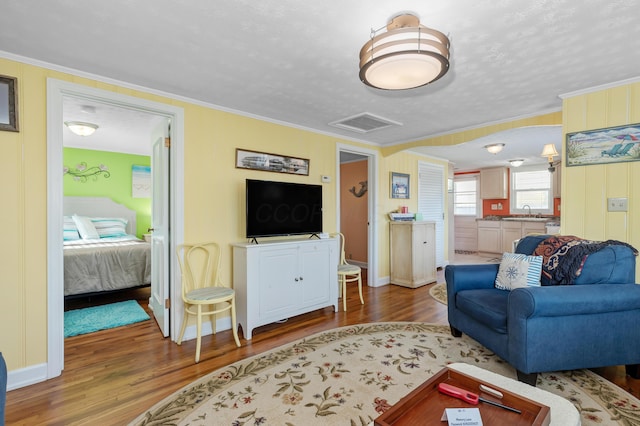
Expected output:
{"points": [[283, 208]]}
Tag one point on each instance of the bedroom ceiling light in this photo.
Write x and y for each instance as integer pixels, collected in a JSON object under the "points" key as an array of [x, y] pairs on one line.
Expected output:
{"points": [[494, 148], [406, 56], [516, 163], [81, 128], [549, 151]]}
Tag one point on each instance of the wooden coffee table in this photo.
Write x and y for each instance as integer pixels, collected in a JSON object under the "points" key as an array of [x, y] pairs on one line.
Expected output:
{"points": [[425, 405]]}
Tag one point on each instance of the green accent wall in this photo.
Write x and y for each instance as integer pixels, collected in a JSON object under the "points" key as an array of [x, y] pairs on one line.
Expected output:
{"points": [[117, 186]]}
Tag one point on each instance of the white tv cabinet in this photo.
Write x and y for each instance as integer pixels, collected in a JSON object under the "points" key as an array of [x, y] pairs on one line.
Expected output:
{"points": [[281, 279]]}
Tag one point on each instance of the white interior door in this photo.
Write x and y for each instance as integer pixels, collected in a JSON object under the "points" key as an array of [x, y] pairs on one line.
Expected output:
{"points": [[431, 202], [159, 300]]}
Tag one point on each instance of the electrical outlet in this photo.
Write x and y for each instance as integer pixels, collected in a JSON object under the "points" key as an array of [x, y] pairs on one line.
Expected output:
{"points": [[617, 204]]}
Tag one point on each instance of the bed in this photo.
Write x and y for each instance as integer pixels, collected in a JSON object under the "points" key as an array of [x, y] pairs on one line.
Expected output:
{"points": [[101, 252]]}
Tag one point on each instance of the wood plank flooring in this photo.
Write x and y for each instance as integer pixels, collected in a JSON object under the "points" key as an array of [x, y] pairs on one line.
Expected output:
{"points": [[112, 376]]}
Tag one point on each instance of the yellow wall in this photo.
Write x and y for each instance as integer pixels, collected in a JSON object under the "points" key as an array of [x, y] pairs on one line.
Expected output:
{"points": [[213, 194], [585, 189], [478, 132]]}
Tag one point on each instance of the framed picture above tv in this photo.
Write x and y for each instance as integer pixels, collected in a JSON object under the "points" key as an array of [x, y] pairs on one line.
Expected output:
{"points": [[255, 160]]}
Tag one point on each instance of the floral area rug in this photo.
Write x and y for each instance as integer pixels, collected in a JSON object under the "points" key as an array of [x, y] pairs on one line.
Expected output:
{"points": [[351, 375], [439, 292]]}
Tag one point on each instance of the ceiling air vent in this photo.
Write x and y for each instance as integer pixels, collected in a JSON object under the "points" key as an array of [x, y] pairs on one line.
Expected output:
{"points": [[364, 123]]}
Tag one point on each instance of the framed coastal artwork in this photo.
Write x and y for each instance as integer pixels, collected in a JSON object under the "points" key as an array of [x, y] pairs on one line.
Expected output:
{"points": [[255, 160], [601, 146], [400, 185]]}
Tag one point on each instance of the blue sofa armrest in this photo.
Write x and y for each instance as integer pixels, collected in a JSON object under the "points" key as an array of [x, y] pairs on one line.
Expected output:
{"points": [[554, 328], [468, 277]]}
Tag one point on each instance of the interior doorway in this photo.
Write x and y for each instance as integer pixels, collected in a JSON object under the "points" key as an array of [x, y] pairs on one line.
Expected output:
{"points": [[108, 175], [356, 201], [56, 92]]}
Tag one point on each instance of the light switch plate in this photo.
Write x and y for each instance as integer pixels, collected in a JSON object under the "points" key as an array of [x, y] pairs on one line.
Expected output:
{"points": [[617, 204]]}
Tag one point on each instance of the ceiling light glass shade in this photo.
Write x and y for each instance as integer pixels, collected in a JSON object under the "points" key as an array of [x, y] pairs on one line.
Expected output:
{"points": [[549, 151], [516, 163], [494, 148], [406, 56], [81, 128]]}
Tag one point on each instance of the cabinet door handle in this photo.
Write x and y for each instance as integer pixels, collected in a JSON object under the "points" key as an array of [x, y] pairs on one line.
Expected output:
{"points": [[301, 279], [295, 279]]}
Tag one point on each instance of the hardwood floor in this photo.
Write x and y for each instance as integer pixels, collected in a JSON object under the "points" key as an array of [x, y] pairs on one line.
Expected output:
{"points": [[112, 376]]}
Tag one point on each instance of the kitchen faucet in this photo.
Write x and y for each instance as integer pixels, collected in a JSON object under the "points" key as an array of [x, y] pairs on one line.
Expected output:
{"points": [[529, 207]]}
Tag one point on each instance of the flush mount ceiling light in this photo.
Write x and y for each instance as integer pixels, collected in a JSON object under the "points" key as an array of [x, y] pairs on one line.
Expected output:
{"points": [[516, 163], [406, 56], [549, 151], [494, 148], [81, 128]]}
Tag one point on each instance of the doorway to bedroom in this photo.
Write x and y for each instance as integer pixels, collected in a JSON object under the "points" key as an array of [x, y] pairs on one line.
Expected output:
{"points": [[162, 145], [107, 183]]}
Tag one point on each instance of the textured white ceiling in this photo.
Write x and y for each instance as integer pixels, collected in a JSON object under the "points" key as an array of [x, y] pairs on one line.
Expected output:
{"points": [[297, 62]]}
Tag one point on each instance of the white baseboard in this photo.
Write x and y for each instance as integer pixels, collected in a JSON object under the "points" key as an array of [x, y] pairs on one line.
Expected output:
{"points": [[382, 281], [26, 376]]}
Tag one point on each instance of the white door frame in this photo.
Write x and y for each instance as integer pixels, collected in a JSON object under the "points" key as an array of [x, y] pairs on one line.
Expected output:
{"points": [[56, 90], [372, 230]]}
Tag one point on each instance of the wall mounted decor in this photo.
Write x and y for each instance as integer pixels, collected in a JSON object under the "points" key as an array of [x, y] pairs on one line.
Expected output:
{"points": [[254, 160], [140, 181], [8, 103], [400, 185], [364, 186], [601, 146], [82, 173]]}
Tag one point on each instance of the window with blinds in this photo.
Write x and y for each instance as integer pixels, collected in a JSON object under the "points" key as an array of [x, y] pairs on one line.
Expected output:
{"points": [[531, 191], [465, 195]]}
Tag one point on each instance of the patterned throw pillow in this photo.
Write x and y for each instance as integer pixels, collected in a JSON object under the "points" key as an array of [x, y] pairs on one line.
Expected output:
{"points": [[518, 270]]}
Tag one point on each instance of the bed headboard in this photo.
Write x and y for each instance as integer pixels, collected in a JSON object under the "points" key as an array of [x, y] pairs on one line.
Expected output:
{"points": [[99, 207]]}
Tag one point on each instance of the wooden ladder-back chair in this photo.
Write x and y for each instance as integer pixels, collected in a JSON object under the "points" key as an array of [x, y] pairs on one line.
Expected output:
{"points": [[347, 273], [202, 289]]}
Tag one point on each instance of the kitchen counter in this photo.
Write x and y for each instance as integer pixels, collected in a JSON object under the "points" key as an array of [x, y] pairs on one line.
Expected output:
{"points": [[544, 219]]}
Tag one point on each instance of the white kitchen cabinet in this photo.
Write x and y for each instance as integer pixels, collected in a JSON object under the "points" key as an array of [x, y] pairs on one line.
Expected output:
{"points": [[413, 253], [489, 236], [511, 231], [497, 236], [533, 228], [277, 280], [494, 183]]}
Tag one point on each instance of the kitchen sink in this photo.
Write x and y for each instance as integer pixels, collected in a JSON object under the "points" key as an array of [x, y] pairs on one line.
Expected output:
{"points": [[528, 219]]}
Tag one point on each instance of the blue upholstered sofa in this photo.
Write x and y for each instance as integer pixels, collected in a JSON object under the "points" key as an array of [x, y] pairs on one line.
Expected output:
{"points": [[593, 323]]}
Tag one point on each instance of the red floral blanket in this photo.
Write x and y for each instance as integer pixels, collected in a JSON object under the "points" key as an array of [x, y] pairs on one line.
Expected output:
{"points": [[564, 257]]}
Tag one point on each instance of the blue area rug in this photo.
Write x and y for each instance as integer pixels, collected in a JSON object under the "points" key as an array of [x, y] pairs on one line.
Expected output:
{"points": [[88, 320]]}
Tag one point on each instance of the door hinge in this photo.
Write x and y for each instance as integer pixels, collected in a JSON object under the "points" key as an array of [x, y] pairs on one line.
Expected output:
{"points": [[167, 303], [167, 142]]}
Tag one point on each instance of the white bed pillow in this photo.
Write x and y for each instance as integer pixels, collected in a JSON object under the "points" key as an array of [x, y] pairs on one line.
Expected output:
{"points": [[110, 227], [85, 227], [518, 270]]}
